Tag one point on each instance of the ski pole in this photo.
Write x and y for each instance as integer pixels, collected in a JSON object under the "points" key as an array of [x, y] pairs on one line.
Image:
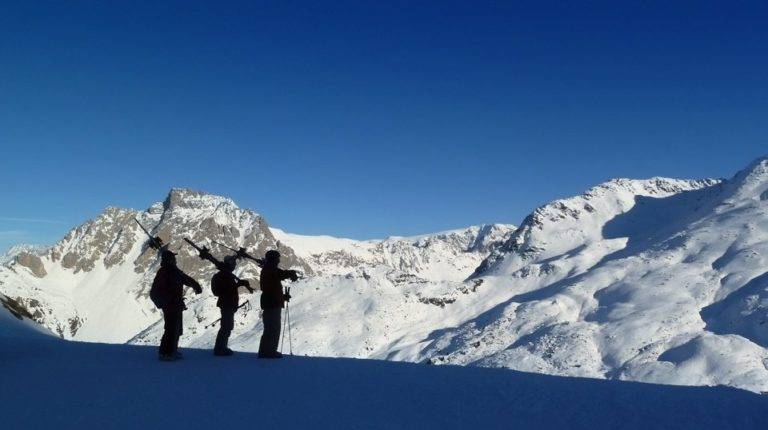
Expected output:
{"points": [[247, 307], [285, 322], [290, 336], [282, 339]]}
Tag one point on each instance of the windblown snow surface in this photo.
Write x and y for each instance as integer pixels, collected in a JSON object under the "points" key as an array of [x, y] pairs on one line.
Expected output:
{"points": [[49, 383], [658, 280]]}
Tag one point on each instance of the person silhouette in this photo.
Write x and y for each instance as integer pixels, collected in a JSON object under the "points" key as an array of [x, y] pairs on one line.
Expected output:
{"points": [[272, 302], [225, 285], [167, 293]]}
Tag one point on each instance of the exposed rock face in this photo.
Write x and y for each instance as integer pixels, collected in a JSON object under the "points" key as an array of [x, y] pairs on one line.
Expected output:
{"points": [[206, 219], [104, 239], [15, 308], [31, 262], [9, 257], [110, 252]]}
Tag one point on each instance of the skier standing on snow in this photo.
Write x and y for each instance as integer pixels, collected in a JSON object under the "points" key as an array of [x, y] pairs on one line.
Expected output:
{"points": [[272, 302], [225, 286], [167, 293]]}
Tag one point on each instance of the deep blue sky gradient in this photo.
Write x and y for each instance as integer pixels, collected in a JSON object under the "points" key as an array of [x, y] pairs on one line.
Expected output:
{"points": [[367, 119]]}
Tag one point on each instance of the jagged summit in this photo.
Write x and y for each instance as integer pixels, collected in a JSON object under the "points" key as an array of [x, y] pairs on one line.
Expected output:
{"points": [[193, 199]]}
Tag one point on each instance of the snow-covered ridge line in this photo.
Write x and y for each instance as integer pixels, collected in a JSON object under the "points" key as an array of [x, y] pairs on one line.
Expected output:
{"points": [[14, 251], [444, 256], [589, 211], [92, 284], [657, 280]]}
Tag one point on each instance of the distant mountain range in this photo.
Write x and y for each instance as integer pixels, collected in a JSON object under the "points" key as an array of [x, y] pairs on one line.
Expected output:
{"points": [[658, 280]]}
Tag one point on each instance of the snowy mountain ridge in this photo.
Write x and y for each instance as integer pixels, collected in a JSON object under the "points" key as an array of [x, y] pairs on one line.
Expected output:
{"points": [[93, 284], [444, 256], [660, 287], [10, 255], [658, 280], [577, 221]]}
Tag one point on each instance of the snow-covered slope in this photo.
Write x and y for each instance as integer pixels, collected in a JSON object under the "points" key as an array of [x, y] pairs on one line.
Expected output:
{"points": [[51, 383], [365, 297], [93, 284], [444, 256], [16, 323], [70, 385], [658, 281]]}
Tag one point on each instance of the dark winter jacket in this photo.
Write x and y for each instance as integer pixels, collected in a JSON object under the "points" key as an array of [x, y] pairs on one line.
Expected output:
{"points": [[271, 287], [168, 287], [225, 286]]}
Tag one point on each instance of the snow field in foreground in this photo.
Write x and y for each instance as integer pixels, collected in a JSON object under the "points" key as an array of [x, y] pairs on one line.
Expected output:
{"points": [[50, 383]]}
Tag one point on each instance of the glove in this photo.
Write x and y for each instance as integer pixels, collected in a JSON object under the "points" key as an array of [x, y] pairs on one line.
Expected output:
{"points": [[242, 253], [205, 254], [294, 276], [287, 297], [198, 290]]}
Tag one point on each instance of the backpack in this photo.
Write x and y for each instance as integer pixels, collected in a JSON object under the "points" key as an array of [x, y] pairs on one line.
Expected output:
{"points": [[155, 294], [156, 299], [215, 285]]}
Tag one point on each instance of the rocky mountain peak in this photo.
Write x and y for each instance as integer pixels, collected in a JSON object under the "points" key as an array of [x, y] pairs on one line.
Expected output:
{"points": [[185, 198]]}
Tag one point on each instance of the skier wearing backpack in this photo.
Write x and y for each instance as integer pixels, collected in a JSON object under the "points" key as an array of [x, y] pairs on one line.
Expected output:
{"points": [[225, 285], [167, 293], [272, 302]]}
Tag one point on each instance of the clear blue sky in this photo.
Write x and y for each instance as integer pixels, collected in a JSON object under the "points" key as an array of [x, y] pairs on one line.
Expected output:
{"points": [[367, 119]]}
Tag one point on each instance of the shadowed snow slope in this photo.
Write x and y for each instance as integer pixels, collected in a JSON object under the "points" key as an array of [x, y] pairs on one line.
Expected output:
{"points": [[16, 322], [52, 383], [657, 281]]}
